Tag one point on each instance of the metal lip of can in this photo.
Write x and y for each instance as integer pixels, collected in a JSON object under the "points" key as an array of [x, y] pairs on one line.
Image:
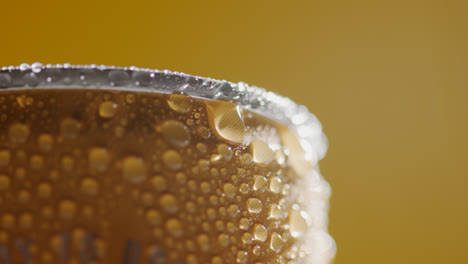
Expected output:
{"points": [[282, 109]]}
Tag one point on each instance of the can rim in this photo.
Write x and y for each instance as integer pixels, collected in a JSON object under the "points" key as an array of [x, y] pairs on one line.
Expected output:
{"points": [[269, 104]]}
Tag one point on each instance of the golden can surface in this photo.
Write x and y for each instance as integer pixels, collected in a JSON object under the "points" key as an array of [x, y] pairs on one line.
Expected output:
{"points": [[90, 173]]}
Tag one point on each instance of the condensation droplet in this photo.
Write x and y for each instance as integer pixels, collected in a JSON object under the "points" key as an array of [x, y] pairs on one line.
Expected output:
{"points": [[174, 227], [298, 222], [203, 242], [108, 109], [276, 185], [225, 151], [159, 183], [8, 221], [260, 232], [247, 238], [24, 196], [18, 133], [70, 128], [233, 210], [133, 169], [244, 223], [216, 260], [260, 183], [180, 103], [67, 163], [244, 188], [5, 157], [276, 242], [44, 190], [254, 205], [205, 187], [67, 209], [201, 147], [256, 250], [242, 257], [191, 259], [261, 152], [4, 182], [25, 221], [169, 203], [36, 162], [153, 217], [296, 157], [223, 239], [176, 133], [130, 98], [229, 190], [172, 159], [147, 199], [89, 186], [98, 159], [45, 142], [203, 132], [226, 120]]}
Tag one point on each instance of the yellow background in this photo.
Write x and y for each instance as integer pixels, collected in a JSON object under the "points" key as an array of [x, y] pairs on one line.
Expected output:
{"points": [[388, 80]]}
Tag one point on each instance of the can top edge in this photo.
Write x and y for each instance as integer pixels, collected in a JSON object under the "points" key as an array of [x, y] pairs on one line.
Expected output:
{"points": [[282, 109]]}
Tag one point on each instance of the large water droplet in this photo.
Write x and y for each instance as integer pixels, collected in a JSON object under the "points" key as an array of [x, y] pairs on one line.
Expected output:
{"points": [[298, 222], [226, 119], [176, 133], [254, 205], [260, 232], [260, 183], [180, 103], [261, 152], [276, 185], [276, 242]]}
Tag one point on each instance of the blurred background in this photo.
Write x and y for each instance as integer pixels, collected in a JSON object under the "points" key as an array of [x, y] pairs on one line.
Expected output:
{"points": [[387, 79]]}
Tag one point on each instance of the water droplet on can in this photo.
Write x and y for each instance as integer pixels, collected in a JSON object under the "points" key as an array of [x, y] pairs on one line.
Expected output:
{"points": [[133, 169], [98, 159], [254, 205], [260, 232], [180, 103], [176, 133], [226, 119], [18, 133], [107, 109]]}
